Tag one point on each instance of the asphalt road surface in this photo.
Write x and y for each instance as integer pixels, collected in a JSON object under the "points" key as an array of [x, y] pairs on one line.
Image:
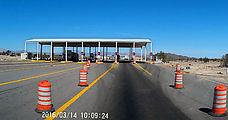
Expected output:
{"points": [[125, 92], [129, 94]]}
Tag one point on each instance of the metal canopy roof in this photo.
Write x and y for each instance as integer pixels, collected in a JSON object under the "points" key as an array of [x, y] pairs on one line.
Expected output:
{"points": [[92, 42]]}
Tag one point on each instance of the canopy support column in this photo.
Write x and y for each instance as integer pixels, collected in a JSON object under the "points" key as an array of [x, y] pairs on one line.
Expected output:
{"points": [[41, 51], [77, 53], [25, 46], [151, 54], [145, 53], [51, 51], [66, 51], [103, 53], [141, 54], [116, 54], [106, 53], [99, 51], [134, 60], [37, 51], [82, 53], [90, 53]]}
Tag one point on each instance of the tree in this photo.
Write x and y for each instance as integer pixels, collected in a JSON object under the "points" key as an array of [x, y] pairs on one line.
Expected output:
{"points": [[205, 60], [8, 52], [162, 56]]}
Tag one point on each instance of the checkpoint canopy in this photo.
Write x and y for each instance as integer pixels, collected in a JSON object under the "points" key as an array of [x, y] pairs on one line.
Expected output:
{"points": [[92, 42], [127, 43]]}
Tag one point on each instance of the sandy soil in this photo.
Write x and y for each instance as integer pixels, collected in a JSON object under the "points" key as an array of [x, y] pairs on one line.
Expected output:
{"points": [[210, 70]]}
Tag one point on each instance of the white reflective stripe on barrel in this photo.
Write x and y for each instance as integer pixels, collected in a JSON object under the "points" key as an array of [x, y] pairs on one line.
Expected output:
{"points": [[44, 103], [219, 106], [44, 88], [220, 92], [44, 93], [83, 77], [82, 80], [220, 101], [44, 98], [83, 73], [178, 82], [220, 97], [179, 75]]}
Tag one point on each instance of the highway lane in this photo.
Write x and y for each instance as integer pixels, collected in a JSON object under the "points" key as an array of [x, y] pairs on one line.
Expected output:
{"points": [[13, 75], [195, 99], [14, 67], [18, 100], [128, 94], [125, 92], [15, 64]]}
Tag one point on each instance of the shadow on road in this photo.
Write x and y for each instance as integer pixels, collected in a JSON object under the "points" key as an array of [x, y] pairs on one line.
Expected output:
{"points": [[206, 110]]}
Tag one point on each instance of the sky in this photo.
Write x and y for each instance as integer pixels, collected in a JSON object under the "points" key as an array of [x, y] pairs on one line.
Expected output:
{"points": [[196, 28]]}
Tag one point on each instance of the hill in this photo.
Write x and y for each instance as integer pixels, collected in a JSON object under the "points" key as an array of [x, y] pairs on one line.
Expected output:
{"points": [[177, 57]]}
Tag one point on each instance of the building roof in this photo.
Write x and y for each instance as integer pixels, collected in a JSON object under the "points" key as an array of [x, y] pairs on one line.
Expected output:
{"points": [[92, 42]]}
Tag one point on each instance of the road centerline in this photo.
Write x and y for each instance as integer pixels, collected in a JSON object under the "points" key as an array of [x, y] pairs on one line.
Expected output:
{"points": [[68, 103], [143, 69], [32, 67], [5, 83]]}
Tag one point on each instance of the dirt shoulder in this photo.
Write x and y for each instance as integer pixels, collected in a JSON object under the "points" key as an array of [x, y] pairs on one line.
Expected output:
{"points": [[210, 70], [9, 58]]}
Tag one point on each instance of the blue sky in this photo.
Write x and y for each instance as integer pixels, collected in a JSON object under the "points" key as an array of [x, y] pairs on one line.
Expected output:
{"points": [[197, 28]]}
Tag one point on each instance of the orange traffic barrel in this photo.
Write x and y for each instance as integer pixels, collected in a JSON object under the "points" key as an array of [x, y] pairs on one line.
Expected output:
{"points": [[134, 61], [219, 104], [85, 67], [96, 61], [88, 65], [178, 67], [115, 61], [178, 80], [89, 61], [83, 78], [44, 103]]}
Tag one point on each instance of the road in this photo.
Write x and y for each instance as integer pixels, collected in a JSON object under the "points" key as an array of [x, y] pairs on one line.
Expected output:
{"points": [[128, 94], [124, 92]]}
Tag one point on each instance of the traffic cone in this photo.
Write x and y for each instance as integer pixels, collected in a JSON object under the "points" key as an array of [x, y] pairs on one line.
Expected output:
{"points": [[83, 78], [178, 68], [96, 61], [44, 103], [115, 61], [219, 104], [88, 65], [178, 80]]}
